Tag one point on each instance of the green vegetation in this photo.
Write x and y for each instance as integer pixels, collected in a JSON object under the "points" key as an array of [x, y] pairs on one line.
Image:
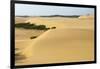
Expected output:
{"points": [[31, 26]]}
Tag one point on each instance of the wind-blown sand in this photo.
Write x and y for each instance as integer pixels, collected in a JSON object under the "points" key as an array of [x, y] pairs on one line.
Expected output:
{"points": [[71, 41]]}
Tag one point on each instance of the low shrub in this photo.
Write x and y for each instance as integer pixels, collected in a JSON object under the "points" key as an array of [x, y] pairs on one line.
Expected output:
{"points": [[33, 37], [53, 27]]}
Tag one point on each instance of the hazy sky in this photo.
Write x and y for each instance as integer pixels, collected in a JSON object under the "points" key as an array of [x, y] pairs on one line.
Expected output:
{"points": [[41, 10]]}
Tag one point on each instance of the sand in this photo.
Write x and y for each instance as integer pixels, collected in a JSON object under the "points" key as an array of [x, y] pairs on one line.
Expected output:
{"points": [[22, 38], [62, 22], [21, 19], [24, 34], [71, 41]]}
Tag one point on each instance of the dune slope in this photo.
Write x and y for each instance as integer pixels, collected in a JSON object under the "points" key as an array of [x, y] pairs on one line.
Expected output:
{"points": [[61, 45]]}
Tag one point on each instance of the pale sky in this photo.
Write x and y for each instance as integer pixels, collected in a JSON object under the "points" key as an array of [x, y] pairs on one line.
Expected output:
{"points": [[43, 10]]}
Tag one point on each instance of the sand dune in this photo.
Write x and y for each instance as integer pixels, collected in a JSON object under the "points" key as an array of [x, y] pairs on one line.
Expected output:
{"points": [[71, 41], [61, 45], [61, 22], [22, 44]]}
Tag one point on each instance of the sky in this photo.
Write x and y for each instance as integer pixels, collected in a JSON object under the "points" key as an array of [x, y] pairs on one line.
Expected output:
{"points": [[45, 10]]}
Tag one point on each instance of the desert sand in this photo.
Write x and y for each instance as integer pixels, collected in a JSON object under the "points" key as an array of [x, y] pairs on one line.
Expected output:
{"points": [[64, 22], [71, 41], [21, 19]]}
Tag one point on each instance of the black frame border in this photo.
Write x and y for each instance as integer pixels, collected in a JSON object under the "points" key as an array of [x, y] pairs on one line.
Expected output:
{"points": [[12, 34]]}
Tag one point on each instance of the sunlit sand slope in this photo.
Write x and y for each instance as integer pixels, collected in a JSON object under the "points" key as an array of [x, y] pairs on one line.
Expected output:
{"points": [[61, 45], [24, 34], [23, 38]]}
